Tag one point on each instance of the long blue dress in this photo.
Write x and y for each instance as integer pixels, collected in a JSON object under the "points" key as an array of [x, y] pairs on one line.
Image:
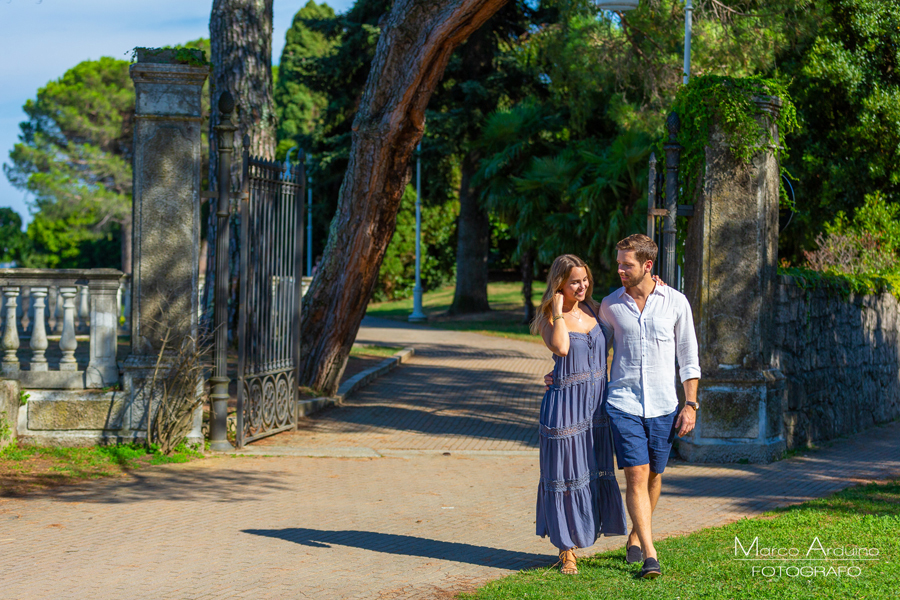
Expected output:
{"points": [[578, 496]]}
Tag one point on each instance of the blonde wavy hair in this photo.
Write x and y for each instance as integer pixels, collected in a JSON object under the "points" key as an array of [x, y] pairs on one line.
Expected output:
{"points": [[559, 274]]}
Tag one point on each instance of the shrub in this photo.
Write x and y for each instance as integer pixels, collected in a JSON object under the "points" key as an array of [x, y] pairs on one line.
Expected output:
{"points": [[397, 276], [866, 245]]}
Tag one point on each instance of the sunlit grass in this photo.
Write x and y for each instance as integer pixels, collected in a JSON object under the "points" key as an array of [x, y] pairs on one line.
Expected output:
{"points": [[26, 468], [704, 564], [361, 350], [505, 299]]}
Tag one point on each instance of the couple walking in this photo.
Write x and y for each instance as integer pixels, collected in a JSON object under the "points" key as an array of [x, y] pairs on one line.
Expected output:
{"points": [[583, 420]]}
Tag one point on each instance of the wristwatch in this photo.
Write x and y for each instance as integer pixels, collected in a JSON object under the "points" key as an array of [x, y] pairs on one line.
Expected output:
{"points": [[693, 405]]}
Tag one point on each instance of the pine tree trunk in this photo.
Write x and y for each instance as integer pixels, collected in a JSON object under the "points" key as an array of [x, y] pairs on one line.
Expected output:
{"points": [[241, 55], [527, 265], [472, 246], [415, 44]]}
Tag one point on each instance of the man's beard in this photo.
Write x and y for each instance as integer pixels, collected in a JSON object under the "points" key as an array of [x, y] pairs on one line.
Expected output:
{"points": [[633, 281]]}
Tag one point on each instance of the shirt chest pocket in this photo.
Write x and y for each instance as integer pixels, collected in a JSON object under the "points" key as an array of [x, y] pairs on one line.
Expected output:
{"points": [[661, 329]]}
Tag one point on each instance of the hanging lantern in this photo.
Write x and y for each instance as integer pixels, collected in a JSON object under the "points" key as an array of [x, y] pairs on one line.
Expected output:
{"points": [[616, 5]]}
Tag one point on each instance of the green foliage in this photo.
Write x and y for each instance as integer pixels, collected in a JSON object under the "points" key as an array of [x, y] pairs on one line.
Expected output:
{"points": [[5, 427], [859, 255], [14, 244], [179, 55], [845, 79], [566, 167], [558, 194], [397, 276], [729, 102], [843, 284], [325, 57], [876, 217], [23, 397], [85, 461], [299, 108], [74, 157]]}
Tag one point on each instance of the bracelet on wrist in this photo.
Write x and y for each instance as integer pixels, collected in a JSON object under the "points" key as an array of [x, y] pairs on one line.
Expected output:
{"points": [[556, 318]]}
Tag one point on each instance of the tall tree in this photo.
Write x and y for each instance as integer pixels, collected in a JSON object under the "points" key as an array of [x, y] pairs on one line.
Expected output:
{"points": [[479, 78], [299, 108], [241, 54], [415, 45], [13, 242], [74, 157]]}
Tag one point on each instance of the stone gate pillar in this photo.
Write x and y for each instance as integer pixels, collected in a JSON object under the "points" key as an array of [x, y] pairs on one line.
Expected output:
{"points": [[731, 257], [166, 215]]}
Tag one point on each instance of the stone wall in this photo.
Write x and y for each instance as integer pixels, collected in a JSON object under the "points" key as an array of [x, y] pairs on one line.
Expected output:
{"points": [[9, 411], [841, 358]]}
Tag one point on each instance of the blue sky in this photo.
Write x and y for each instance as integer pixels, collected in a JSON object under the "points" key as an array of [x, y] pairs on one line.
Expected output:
{"points": [[41, 39]]}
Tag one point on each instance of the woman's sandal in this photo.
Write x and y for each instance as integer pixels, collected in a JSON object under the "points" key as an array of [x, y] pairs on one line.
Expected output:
{"points": [[567, 558]]}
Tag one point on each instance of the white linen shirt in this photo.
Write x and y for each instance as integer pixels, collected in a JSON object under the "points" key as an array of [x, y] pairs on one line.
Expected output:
{"points": [[645, 345]]}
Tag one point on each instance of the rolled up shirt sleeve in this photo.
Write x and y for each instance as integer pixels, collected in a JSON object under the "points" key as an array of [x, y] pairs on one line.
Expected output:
{"points": [[686, 343]]}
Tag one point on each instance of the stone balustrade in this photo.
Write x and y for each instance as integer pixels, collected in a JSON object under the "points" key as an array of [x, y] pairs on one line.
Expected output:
{"points": [[41, 304]]}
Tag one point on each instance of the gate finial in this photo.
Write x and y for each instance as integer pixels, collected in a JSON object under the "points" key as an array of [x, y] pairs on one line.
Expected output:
{"points": [[226, 103]]}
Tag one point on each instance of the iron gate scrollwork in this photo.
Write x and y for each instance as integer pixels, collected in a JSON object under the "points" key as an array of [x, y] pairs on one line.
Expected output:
{"points": [[272, 214]]}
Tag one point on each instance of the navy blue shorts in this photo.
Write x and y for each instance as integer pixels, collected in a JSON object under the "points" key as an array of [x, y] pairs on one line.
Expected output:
{"points": [[640, 440]]}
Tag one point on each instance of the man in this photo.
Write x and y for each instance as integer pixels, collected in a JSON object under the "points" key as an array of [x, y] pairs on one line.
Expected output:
{"points": [[649, 326]]}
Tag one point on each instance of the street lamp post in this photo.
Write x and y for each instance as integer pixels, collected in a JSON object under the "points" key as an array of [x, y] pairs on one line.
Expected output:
{"points": [[418, 315], [218, 399], [309, 256], [688, 21]]}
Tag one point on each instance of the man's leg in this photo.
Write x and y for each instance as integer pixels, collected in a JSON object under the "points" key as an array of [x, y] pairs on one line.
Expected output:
{"points": [[640, 507], [654, 485]]}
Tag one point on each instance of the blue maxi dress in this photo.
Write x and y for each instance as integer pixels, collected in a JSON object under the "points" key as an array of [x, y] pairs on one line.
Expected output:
{"points": [[578, 497]]}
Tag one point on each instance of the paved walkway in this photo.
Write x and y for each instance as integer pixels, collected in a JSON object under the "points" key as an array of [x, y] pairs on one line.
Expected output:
{"points": [[424, 486]]}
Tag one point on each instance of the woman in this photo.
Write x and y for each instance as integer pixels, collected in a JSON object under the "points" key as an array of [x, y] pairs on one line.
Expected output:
{"points": [[578, 496]]}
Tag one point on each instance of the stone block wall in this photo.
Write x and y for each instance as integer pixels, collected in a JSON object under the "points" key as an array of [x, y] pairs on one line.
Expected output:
{"points": [[841, 358]]}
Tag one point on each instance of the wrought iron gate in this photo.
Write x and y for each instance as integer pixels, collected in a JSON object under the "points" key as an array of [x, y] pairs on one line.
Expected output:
{"points": [[272, 213]]}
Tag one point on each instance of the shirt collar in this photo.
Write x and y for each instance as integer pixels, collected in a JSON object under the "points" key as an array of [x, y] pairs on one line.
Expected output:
{"points": [[658, 289]]}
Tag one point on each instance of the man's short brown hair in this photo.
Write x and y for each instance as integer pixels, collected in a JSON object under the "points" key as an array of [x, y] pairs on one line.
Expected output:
{"points": [[643, 247]]}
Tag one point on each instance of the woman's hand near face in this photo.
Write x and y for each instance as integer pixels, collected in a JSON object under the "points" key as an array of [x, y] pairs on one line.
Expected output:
{"points": [[557, 304], [555, 332]]}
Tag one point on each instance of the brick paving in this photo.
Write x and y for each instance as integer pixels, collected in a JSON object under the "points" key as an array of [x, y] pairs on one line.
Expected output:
{"points": [[409, 521]]}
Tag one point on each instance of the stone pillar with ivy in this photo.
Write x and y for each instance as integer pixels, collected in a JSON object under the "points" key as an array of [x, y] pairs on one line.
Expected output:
{"points": [[166, 231], [732, 175]]}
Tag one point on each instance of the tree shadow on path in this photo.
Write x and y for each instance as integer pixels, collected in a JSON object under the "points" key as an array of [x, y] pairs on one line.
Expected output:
{"points": [[409, 546], [223, 485]]}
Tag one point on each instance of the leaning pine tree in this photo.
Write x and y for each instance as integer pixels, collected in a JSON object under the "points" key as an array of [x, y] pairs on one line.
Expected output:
{"points": [[415, 45]]}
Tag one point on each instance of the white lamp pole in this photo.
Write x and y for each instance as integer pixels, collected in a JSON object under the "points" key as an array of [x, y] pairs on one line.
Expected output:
{"points": [[688, 21], [418, 315]]}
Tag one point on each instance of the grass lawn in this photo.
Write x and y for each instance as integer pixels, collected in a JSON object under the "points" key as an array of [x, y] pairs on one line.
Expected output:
{"points": [[379, 351], [704, 564], [25, 469], [504, 320]]}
